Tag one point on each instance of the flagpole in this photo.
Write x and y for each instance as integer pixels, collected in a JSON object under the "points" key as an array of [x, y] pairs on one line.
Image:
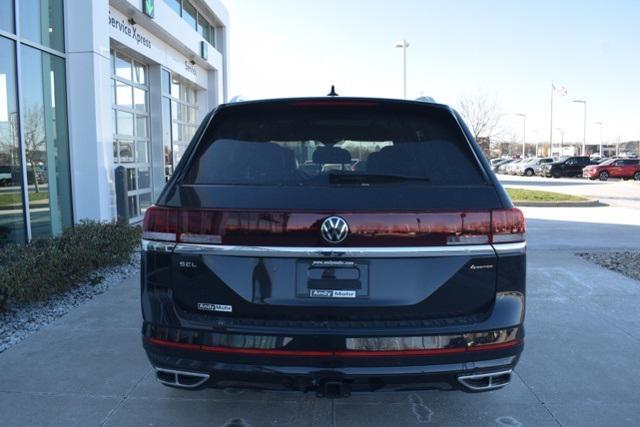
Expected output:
{"points": [[551, 124]]}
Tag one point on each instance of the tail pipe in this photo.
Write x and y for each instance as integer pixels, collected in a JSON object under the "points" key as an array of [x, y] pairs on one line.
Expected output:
{"points": [[181, 379], [486, 380]]}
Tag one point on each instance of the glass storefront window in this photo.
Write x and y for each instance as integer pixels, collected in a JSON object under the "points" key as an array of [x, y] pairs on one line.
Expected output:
{"points": [[175, 5], [140, 99], [41, 21], [11, 207], [203, 27], [166, 82], [140, 73], [6, 16], [123, 95], [189, 13], [180, 109], [124, 123], [44, 119], [166, 134], [131, 138], [123, 67]]}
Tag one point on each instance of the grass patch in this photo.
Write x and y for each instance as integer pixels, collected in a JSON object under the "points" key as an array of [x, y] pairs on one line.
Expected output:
{"points": [[520, 195], [16, 197]]}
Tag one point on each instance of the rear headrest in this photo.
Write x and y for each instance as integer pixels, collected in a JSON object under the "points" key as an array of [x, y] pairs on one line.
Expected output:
{"points": [[324, 155]]}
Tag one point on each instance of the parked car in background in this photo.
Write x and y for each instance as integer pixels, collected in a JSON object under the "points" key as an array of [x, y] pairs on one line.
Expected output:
{"points": [[496, 166], [614, 168], [407, 275], [531, 166], [510, 169], [6, 176], [504, 168], [565, 166]]}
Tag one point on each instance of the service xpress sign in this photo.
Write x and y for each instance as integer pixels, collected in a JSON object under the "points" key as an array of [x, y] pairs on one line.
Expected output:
{"points": [[121, 24]]}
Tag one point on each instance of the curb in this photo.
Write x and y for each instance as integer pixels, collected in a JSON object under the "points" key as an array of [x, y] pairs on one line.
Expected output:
{"points": [[585, 204]]}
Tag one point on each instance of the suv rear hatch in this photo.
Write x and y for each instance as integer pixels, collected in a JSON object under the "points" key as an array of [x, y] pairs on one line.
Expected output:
{"points": [[273, 220]]}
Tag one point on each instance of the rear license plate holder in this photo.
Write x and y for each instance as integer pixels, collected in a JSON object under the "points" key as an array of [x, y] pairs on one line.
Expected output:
{"points": [[332, 279]]}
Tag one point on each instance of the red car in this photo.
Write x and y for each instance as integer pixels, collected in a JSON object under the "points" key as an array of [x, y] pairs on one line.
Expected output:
{"points": [[614, 168]]}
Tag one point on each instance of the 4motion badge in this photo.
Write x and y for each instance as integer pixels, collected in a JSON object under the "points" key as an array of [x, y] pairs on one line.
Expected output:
{"points": [[481, 267]]}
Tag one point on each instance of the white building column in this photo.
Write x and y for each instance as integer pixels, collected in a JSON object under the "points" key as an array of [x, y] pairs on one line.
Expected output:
{"points": [[157, 129], [89, 100]]}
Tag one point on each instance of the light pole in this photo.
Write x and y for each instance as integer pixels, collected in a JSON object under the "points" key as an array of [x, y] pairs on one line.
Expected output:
{"points": [[404, 45], [561, 140], [537, 139], [584, 123], [601, 124], [524, 133]]}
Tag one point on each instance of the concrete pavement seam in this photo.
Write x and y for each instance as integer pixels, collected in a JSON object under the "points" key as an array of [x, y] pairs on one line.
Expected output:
{"points": [[124, 398], [54, 394], [333, 412], [538, 399]]}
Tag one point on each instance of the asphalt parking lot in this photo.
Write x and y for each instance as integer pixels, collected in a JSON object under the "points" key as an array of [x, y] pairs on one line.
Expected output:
{"points": [[580, 366]]}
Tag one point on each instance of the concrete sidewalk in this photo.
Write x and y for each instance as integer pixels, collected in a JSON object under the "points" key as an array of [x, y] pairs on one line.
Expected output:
{"points": [[580, 367]]}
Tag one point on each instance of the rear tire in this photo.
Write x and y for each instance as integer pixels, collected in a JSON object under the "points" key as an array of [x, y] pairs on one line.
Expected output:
{"points": [[528, 172], [604, 175], [636, 176]]}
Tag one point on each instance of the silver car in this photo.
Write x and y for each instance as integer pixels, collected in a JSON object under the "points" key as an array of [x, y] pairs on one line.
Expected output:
{"points": [[530, 167]]}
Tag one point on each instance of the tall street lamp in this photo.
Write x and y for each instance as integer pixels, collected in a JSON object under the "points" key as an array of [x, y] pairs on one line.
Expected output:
{"points": [[524, 133], [536, 139], [404, 45], [561, 140], [601, 124], [584, 124]]}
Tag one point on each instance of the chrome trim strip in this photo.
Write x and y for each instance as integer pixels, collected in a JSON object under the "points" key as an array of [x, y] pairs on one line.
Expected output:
{"points": [[157, 246], [347, 252], [518, 248]]}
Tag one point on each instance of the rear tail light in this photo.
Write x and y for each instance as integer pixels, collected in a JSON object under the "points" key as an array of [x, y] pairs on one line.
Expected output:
{"points": [[499, 226], [181, 225], [507, 225], [453, 228], [160, 224]]}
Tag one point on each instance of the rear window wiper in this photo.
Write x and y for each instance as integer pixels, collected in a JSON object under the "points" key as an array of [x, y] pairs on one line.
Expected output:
{"points": [[372, 178]]}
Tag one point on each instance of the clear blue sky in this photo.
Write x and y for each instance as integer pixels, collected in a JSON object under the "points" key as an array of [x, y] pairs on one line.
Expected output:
{"points": [[510, 50]]}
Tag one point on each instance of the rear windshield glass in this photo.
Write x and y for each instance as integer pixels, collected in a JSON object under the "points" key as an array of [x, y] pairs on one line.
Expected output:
{"points": [[326, 146]]}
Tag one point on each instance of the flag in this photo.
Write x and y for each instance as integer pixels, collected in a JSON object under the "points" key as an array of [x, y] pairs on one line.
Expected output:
{"points": [[560, 90]]}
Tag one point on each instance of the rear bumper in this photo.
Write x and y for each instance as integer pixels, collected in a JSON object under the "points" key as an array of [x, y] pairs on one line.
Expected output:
{"points": [[307, 362], [193, 350], [327, 377]]}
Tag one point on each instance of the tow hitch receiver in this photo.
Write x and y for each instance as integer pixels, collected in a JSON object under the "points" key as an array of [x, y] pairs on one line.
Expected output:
{"points": [[333, 388]]}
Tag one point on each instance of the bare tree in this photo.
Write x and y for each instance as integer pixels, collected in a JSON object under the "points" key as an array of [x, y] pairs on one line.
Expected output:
{"points": [[482, 115], [34, 139]]}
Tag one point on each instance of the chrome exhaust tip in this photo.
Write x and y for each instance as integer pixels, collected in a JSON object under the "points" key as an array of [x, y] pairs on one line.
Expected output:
{"points": [[181, 379], [486, 380]]}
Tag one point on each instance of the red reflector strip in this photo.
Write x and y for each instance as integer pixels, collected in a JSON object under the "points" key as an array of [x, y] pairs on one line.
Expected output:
{"points": [[344, 353], [496, 346]]}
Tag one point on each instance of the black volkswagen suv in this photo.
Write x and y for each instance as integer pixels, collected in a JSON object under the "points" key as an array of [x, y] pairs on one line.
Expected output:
{"points": [[271, 262]]}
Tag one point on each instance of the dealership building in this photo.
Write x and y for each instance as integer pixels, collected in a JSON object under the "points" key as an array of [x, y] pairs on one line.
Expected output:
{"points": [[89, 86]]}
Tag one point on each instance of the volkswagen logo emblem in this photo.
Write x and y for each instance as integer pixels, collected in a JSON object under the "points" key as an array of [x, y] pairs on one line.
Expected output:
{"points": [[334, 229]]}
